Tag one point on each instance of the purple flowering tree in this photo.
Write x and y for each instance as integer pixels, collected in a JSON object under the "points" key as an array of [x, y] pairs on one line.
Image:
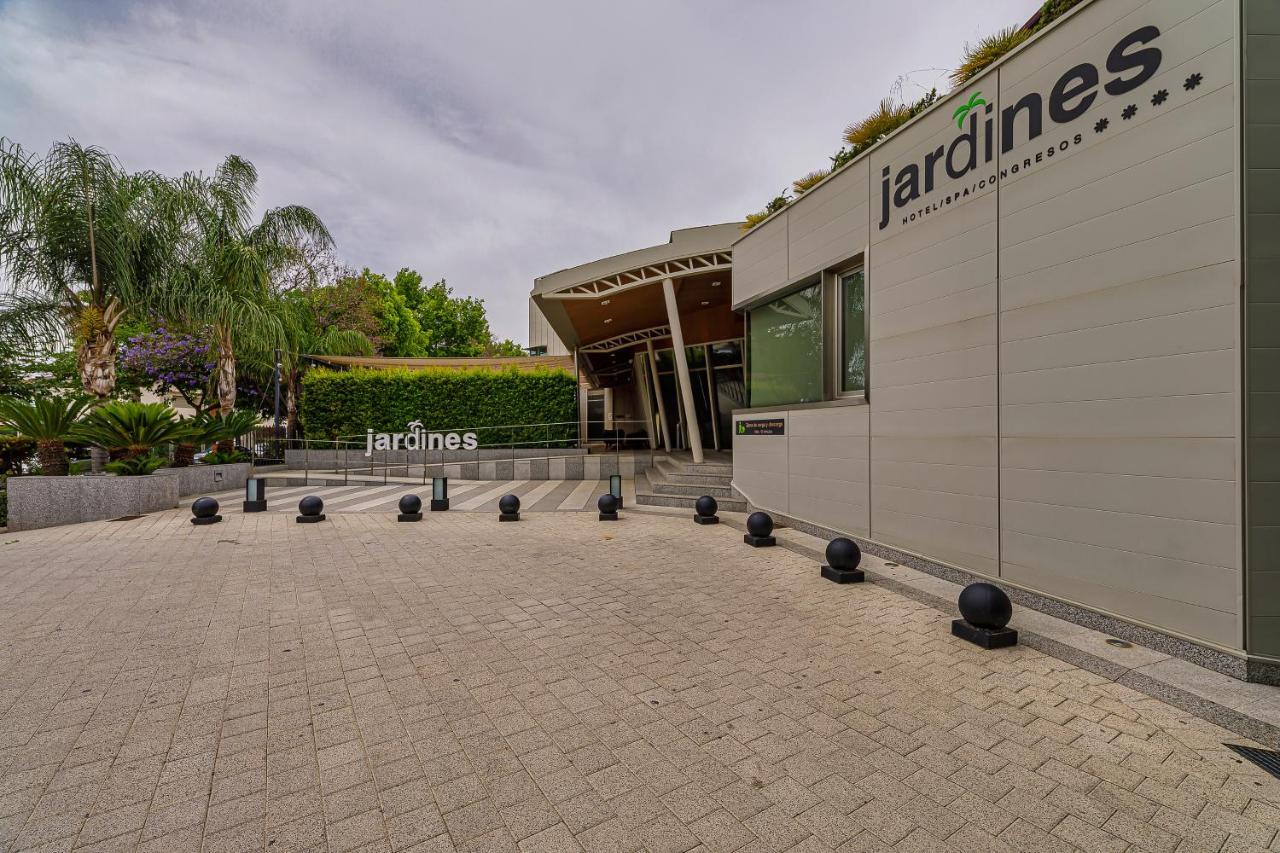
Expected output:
{"points": [[167, 360]]}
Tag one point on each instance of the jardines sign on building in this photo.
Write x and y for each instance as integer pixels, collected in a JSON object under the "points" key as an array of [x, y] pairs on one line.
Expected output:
{"points": [[993, 140]]}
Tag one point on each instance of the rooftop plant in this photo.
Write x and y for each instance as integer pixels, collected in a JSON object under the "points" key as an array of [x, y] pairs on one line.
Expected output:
{"points": [[890, 115]]}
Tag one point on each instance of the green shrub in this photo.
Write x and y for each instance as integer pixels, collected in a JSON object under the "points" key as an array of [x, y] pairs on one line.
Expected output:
{"points": [[345, 404], [136, 466], [224, 457]]}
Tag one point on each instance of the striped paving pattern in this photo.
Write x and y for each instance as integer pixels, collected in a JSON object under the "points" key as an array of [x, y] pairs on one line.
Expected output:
{"points": [[464, 496]]}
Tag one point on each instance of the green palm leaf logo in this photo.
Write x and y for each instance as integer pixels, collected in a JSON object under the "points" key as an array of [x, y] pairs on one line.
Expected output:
{"points": [[962, 112]]}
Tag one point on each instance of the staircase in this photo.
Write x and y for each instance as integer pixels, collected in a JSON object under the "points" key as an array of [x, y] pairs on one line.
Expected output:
{"points": [[676, 481]]}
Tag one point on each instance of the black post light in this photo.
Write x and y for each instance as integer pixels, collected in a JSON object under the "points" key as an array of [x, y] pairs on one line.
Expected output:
{"points": [[615, 487], [608, 506], [759, 530], [508, 508], [205, 511], [986, 610], [255, 495], [843, 557], [310, 510], [704, 510], [410, 508], [439, 494]]}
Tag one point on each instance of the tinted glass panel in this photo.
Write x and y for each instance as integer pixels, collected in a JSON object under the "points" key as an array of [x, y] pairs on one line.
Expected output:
{"points": [[785, 343], [853, 332]]}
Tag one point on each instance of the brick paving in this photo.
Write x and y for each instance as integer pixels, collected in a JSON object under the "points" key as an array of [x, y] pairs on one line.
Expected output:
{"points": [[553, 685]]}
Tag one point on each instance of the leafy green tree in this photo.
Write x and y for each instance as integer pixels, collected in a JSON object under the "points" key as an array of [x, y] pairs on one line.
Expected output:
{"points": [[399, 326], [452, 325], [504, 348], [224, 279], [84, 244]]}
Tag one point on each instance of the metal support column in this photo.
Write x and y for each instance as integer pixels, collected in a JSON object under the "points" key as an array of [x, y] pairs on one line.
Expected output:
{"points": [[682, 372], [657, 393]]}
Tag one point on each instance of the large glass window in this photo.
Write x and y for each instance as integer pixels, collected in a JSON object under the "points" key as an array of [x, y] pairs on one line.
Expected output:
{"points": [[784, 344], [853, 332]]}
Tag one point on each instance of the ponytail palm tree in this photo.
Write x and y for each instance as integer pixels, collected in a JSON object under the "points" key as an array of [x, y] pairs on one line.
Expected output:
{"points": [[223, 280], [83, 244]]}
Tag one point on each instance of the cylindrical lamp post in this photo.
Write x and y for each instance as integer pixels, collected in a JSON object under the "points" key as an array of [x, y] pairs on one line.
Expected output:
{"points": [[255, 495], [615, 487], [439, 494]]}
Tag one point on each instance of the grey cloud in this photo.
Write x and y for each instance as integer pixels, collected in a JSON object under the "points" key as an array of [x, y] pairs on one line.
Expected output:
{"points": [[487, 142]]}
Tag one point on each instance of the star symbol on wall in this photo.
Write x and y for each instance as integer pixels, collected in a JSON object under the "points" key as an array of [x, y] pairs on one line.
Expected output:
{"points": [[1129, 112], [1159, 97], [1103, 124], [1193, 81]]}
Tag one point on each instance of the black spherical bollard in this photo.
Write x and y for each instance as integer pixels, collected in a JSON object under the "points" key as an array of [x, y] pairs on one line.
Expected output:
{"points": [[508, 508], [705, 510], [986, 609], [410, 508], [310, 510], [759, 530], [205, 511], [608, 506], [843, 557]]}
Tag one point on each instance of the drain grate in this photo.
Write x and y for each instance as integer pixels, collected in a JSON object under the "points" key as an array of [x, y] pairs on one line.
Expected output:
{"points": [[124, 518], [1264, 758]]}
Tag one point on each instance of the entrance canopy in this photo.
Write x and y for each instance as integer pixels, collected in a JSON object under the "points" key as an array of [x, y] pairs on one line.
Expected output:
{"points": [[615, 313]]}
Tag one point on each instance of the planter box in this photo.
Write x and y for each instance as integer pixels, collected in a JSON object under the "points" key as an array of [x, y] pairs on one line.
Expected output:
{"points": [[207, 479], [36, 502]]}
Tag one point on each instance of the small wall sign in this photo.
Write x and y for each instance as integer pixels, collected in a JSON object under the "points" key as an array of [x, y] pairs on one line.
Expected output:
{"points": [[416, 439], [762, 426]]}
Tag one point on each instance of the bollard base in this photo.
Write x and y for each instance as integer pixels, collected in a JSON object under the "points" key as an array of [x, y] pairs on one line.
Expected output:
{"points": [[759, 541], [508, 516], [706, 519], [608, 516], [310, 519], [409, 516], [985, 637], [843, 575], [254, 506], [439, 505], [213, 519]]}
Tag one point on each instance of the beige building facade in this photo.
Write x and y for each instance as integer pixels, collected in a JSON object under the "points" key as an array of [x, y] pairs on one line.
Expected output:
{"points": [[1011, 339]]}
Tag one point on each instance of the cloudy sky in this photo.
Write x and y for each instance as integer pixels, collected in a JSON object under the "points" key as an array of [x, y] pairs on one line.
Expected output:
{"points": [[484, 142]]}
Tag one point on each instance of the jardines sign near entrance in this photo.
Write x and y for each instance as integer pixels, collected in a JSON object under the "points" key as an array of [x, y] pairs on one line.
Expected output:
{"points": [[415, 438]]}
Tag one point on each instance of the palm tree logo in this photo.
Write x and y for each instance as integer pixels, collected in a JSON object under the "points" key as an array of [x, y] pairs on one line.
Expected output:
{"points": [[962, 112]]}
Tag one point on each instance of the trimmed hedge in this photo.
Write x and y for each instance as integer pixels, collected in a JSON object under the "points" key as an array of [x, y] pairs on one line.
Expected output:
{"points": [[343, 404]]}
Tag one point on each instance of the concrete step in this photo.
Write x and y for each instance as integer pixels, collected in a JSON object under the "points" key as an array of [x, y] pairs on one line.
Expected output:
{"points": [[673, 474], [685, 502], [713, 468], [666, 488]]}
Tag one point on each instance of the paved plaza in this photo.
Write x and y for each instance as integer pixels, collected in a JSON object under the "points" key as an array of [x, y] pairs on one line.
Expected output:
{"points": [[553, 685]]}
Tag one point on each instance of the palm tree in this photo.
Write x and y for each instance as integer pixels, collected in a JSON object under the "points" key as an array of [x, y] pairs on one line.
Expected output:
{"points": [[49, 422], [83, 244], [302, 336], [223, 278]]}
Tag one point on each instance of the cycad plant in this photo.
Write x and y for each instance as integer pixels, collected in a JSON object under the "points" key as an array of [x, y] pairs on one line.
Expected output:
{"points": [[49, 422], [127, 430], [979, 55], [223, 428]]}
